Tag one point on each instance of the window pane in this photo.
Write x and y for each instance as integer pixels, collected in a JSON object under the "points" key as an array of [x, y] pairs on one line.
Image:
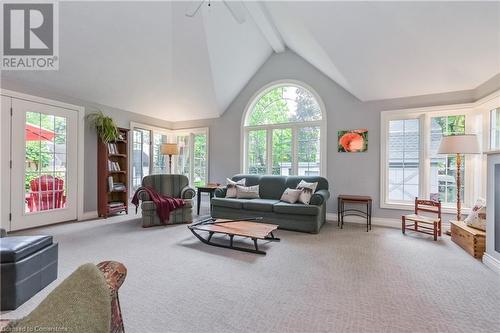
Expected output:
{"points": [[308, 151], [141, 149], [200, 159], [282, 151], [403, 155], [183, 159], [495, 129], [285, 104], [45, 162], [160, 161], [257, 152], [443, 167]]}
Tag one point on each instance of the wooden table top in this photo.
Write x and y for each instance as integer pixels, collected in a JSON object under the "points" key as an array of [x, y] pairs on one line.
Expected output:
{"points": [[209, 186], [347, 197], [239, 228]]}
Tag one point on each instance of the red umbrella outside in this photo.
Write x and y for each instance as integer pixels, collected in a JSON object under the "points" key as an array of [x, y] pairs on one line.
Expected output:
{"points": [[35, 133]]}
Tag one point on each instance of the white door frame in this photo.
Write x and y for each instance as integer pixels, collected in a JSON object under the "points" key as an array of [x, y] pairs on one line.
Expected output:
{"points": [[80, 138]]}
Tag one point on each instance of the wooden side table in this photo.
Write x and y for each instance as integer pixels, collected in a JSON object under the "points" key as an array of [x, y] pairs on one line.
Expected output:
{"points": [[208, 188], [354, 199]]}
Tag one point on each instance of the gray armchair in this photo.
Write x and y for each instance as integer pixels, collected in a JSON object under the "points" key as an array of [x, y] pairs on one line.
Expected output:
{"points": [[176, 186]]}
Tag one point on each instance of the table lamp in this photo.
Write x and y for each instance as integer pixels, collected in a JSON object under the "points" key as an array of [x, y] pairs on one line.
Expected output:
{"points": [[169, 149], [459, 145]]}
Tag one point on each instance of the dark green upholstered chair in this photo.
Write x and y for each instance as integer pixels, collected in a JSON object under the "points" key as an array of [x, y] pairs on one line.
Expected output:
{"points": [[176, 186]]}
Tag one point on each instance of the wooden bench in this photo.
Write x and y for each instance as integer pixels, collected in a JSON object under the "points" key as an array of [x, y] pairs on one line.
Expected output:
{"points": [[422, 223], [471, 240]]}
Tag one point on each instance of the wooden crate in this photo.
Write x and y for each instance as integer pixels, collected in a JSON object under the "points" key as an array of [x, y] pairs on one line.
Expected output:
{"points": [[471, 240]]}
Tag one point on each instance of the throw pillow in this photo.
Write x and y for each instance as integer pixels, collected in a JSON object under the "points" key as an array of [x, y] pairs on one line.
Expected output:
{"points": [[231, 187], [291, 195], [308, 190], [250, 192], [477, 217]]}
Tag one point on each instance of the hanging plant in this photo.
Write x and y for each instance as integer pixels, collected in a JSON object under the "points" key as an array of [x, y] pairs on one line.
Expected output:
{"points": [[104, 126]]}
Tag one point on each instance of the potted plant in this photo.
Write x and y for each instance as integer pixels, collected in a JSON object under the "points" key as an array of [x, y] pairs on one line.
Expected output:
{"points": [[104, 126]]}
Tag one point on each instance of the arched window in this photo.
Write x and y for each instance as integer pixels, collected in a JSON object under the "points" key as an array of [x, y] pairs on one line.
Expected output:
{"points": [[284, 132]]}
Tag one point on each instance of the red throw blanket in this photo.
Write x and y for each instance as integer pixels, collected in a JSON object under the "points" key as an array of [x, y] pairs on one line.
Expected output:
{"points": [[164, 203]]}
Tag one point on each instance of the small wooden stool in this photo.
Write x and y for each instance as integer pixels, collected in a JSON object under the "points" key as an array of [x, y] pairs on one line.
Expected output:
{"points": [[424, 224], [354, 199]]}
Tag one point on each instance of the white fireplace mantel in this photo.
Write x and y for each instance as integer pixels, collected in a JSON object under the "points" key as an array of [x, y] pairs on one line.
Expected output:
{"points": [[492, 257]]}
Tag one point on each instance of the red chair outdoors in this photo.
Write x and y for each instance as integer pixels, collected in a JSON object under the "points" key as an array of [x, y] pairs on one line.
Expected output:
{"points": [[47, 192]]}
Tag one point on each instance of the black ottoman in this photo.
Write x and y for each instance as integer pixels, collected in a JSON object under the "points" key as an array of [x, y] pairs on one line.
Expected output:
{"points": [[28, 264]]}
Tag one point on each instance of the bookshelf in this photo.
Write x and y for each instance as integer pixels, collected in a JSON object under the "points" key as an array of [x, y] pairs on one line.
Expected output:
{"points": [[112, 176]]}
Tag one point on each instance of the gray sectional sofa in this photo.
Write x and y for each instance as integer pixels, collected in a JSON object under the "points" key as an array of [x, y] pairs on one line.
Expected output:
{"points": [[297, 217]]}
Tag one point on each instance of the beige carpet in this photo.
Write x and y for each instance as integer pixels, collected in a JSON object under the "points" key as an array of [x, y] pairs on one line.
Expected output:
{"points": [[337, 281]]}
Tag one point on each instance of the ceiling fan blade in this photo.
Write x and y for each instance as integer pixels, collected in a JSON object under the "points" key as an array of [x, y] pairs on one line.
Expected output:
{"points": [[237, 10], [193, 8]]}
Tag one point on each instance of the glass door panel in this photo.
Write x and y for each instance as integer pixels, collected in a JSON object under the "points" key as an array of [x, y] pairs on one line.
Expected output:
{"points": [[44, 164], [141, 150], [160, 161], [200, 160], [184, 157]]}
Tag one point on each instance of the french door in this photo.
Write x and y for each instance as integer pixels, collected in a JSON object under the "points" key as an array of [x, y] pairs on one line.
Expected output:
{"points": [[43, 174]]}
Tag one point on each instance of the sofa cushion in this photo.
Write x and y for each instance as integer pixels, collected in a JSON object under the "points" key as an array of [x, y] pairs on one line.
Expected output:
{"points": [[299, 209], [15, 248], [250, 180], [272, 187], [293, 181], [228, 202], [261, 205]]}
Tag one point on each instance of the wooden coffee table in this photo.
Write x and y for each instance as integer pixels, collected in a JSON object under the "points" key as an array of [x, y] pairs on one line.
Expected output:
{"points": [[243, 228]]}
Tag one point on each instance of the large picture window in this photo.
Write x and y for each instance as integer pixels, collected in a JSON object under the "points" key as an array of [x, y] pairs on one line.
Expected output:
{"points": [[283, 130], [410, 164]]}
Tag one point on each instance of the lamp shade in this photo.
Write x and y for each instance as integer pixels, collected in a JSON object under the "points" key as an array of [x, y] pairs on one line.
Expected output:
{"points": [[459, 144], [169, 149]]}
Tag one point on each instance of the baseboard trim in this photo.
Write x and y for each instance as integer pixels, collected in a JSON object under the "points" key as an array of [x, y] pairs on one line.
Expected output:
{"points": [[491, 262], [376, 221], [89, 216]]}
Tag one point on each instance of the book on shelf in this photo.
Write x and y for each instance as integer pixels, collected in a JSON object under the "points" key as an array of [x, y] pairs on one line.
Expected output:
{"points": [[116, 204], [112, 148], [113, 166], [118, 187]]}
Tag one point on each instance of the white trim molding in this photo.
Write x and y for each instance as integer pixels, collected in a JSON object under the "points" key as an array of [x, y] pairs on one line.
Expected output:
{"points": [[491, 262]]}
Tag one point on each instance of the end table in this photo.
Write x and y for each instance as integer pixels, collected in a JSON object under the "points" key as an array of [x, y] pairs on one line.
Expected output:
{"points": [[354, 199], [208, 188]]}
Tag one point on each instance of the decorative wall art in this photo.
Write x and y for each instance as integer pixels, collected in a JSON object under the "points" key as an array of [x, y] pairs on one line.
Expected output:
{"points": [[353, 141]]}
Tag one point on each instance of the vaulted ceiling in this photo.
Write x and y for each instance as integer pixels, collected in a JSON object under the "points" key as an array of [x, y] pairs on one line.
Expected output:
{"points": [[150, 58]]}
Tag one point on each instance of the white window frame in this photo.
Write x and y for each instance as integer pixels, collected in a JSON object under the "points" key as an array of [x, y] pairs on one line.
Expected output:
{"points": [[192, 132], [474, 174], [171, 138], [295, 126]]}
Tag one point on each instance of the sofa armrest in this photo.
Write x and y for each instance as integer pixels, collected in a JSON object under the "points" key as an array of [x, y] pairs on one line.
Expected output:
{"points": [[187, 193], [319, 197], [220, 192], [114, 274]]}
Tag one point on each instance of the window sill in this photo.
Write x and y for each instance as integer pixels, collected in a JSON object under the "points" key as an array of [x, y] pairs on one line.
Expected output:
{"points": [[411, 207]]}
